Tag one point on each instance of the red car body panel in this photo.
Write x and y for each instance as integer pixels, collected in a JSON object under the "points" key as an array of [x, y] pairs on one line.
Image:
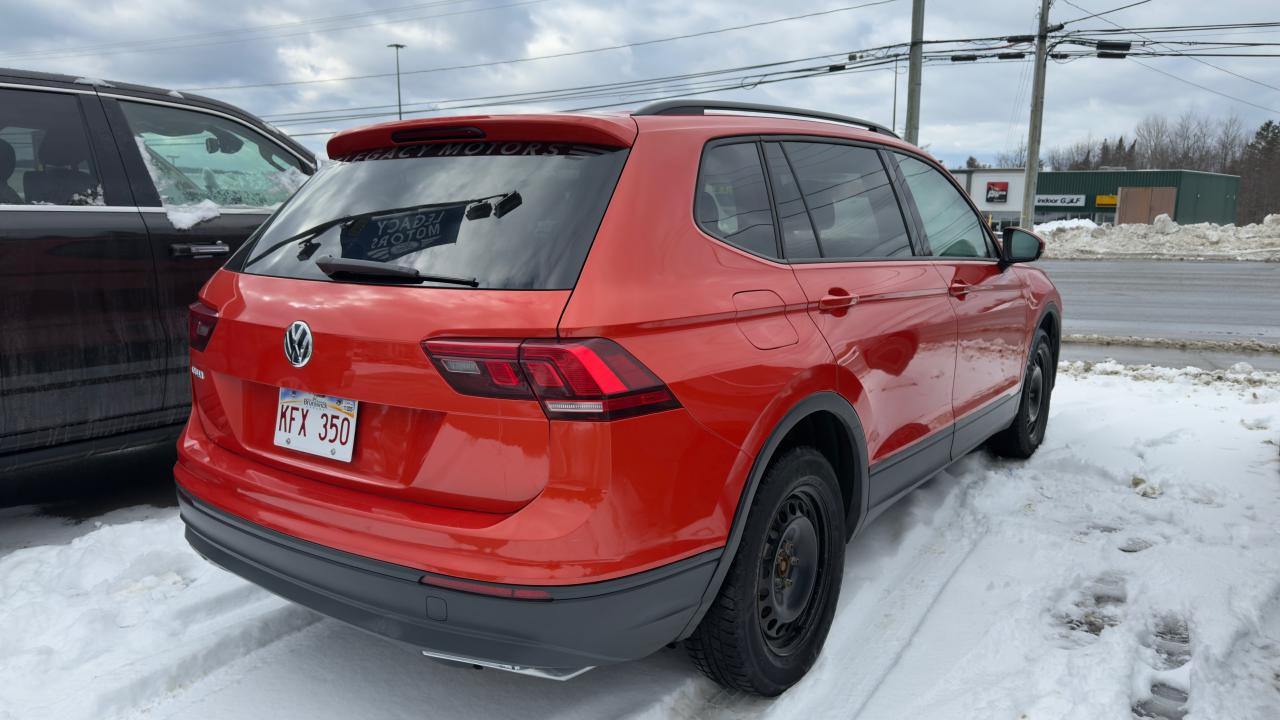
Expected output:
{"points": [[491, 490]]}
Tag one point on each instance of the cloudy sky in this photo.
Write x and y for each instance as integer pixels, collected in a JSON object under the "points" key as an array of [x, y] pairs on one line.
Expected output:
{"points": [[967, 109]]}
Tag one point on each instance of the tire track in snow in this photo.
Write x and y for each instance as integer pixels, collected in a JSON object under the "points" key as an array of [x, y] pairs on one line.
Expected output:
{"points": [[884, 601], [140, 684]]}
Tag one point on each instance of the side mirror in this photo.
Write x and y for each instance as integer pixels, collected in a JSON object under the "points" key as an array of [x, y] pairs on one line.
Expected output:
{"points": [[1020, 246]]}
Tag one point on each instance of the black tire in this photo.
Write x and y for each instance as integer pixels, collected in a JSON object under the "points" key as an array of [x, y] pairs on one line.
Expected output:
{"points": [[743, 642], [1021, 439]]}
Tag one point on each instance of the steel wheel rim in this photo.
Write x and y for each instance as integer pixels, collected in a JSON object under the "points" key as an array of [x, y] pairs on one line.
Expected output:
{"points": [[790, 583], [1035, 393]]}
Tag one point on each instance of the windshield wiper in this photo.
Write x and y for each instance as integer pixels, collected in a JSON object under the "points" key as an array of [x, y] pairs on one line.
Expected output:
{"points": [[351, 267], [511, 199], [315, 230]]}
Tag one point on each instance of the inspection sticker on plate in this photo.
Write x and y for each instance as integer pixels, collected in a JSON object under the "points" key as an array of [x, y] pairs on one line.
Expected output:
{"points": [[317, 424]]}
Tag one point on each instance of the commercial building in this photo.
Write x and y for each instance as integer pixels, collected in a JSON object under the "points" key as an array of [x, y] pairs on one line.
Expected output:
{"points": [[1106, 196]]}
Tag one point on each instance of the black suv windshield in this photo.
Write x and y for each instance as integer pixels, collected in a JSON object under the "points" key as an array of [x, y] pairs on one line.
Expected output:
{"points": [[510, 215]]}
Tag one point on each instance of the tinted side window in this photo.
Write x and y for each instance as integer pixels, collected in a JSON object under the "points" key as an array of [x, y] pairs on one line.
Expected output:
{"points": [[44, 151], [950, 225], [193, 156], [732, 202], [850, 199], [798, 240]]}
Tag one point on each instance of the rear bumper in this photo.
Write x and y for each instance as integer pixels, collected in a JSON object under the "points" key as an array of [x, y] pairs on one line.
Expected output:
{"points": [[580, 626]]}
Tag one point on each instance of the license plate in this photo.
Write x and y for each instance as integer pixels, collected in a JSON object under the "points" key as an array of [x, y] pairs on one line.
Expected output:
{"points": [[321, 425]]}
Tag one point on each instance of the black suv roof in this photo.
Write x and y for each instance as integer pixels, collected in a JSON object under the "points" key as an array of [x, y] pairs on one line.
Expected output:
{"points": [[124, 89]]}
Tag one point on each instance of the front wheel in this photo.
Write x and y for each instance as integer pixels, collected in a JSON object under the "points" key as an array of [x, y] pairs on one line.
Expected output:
{"points": [[772, 614], [1021, 439]]}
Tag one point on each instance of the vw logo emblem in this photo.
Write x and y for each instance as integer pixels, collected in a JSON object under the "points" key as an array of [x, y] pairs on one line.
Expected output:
{"points": [[297, 344]]}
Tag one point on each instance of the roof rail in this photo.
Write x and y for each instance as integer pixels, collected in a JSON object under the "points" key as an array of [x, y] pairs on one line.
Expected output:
{"points": [[695, 106]]}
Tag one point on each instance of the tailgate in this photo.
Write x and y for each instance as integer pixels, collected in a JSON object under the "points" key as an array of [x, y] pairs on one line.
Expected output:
{"points": [[415, 438]]}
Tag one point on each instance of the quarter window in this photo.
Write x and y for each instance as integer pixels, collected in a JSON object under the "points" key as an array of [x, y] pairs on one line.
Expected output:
{"points": [[193, 156], [44, 151], [951, 227], [850, 199], [732, 202]]}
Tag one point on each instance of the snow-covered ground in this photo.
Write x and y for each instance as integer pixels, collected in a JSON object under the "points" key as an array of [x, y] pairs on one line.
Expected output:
{"points": [[1136, 554], [1163, 239]]}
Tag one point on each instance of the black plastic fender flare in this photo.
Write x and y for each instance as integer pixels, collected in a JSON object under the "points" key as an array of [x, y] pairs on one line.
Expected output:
{"points": [[825, 401]]}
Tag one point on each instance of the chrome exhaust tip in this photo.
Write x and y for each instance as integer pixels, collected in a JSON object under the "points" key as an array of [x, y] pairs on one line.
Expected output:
{"points": [[561, 674]]}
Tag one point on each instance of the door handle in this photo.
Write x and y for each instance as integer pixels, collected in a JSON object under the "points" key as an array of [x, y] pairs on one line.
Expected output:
{"points": [[959, 288], [198, 250], [829, 303]]}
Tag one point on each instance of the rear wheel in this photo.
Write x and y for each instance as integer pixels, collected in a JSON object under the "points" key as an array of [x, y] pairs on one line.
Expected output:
{"points": [[771, 618], [1021, 439]]}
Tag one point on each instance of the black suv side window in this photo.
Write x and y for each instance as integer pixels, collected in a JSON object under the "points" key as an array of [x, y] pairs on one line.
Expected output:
{"points": [[951, 227], [850, 199], [733, 201], [194, 156], [44, 151]]}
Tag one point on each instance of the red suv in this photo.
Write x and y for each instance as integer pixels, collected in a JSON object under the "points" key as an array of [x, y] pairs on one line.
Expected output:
{"points": [[546, 392]]}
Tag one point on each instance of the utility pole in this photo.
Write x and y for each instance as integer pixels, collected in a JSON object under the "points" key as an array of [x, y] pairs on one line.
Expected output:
{"points": [[913, 71], [399, 107], [1037, 115], [894, 126]]}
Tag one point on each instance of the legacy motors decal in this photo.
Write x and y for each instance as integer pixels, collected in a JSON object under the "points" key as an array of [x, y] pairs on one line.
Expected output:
{"points": [[474, 149]]}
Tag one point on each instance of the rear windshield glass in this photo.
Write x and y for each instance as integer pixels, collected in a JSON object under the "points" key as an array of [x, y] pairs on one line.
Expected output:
{"points": [[508, 215]]}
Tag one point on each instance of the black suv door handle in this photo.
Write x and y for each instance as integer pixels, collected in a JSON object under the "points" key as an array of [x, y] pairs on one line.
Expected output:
{"points": [[198, 250]]}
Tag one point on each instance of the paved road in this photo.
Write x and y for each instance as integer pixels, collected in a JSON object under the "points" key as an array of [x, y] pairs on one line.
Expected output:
{"points": [[1221, 301]]}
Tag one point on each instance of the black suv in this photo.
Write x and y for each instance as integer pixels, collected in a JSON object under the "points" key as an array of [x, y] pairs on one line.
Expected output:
{"points": [[117, 202]]}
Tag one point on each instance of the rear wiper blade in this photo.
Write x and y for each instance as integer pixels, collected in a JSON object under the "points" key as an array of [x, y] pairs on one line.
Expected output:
{"points": [[315, 230], [351, 267]]}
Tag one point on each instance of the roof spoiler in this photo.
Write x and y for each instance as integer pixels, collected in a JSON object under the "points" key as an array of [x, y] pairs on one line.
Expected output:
{"points": [[607, 131]]}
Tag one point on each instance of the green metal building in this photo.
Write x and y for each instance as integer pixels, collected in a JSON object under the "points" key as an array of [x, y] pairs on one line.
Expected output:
{"points": [[1137, 196]]}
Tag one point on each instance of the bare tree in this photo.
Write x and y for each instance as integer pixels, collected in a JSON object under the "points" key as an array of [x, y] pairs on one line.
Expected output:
{"points": [[1016, 158]]}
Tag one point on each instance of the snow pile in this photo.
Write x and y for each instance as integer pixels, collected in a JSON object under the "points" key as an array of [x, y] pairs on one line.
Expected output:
{"points": [[185, 217], [1072, 224], [1130, 567], [1163, 239]]}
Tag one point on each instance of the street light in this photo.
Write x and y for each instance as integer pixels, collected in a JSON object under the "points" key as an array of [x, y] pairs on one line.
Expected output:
{"points": [[399, 107]]}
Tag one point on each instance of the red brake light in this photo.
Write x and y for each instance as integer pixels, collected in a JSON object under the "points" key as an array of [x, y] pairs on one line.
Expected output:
{"points": [[591, 379], [201, 320]]}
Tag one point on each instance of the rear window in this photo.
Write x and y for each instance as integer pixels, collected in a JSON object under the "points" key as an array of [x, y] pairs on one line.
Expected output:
{"points": [[511, 215]]}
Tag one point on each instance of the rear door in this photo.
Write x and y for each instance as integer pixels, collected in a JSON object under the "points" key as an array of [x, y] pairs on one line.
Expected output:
{"points": [[81, 346], [990, 303], [204, 182], [884, 311]]}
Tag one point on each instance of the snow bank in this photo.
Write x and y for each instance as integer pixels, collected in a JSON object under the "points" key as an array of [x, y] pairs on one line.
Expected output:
{"points": [[1137, 550], [1073, 224], [1163, 239]]}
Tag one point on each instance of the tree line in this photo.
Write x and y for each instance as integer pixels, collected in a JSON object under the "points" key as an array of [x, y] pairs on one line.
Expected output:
{"points": [[1192, 141]]}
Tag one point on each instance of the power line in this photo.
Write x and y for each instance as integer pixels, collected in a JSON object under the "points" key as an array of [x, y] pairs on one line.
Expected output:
{"points": [[690, 81], [1104, 12], [288, 117], [1202, 62], [570, 53], [822, 73]]}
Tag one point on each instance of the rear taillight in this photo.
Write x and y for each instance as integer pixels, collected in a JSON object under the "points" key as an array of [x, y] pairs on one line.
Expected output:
{"points": [[592, 379], [201, 320]]}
